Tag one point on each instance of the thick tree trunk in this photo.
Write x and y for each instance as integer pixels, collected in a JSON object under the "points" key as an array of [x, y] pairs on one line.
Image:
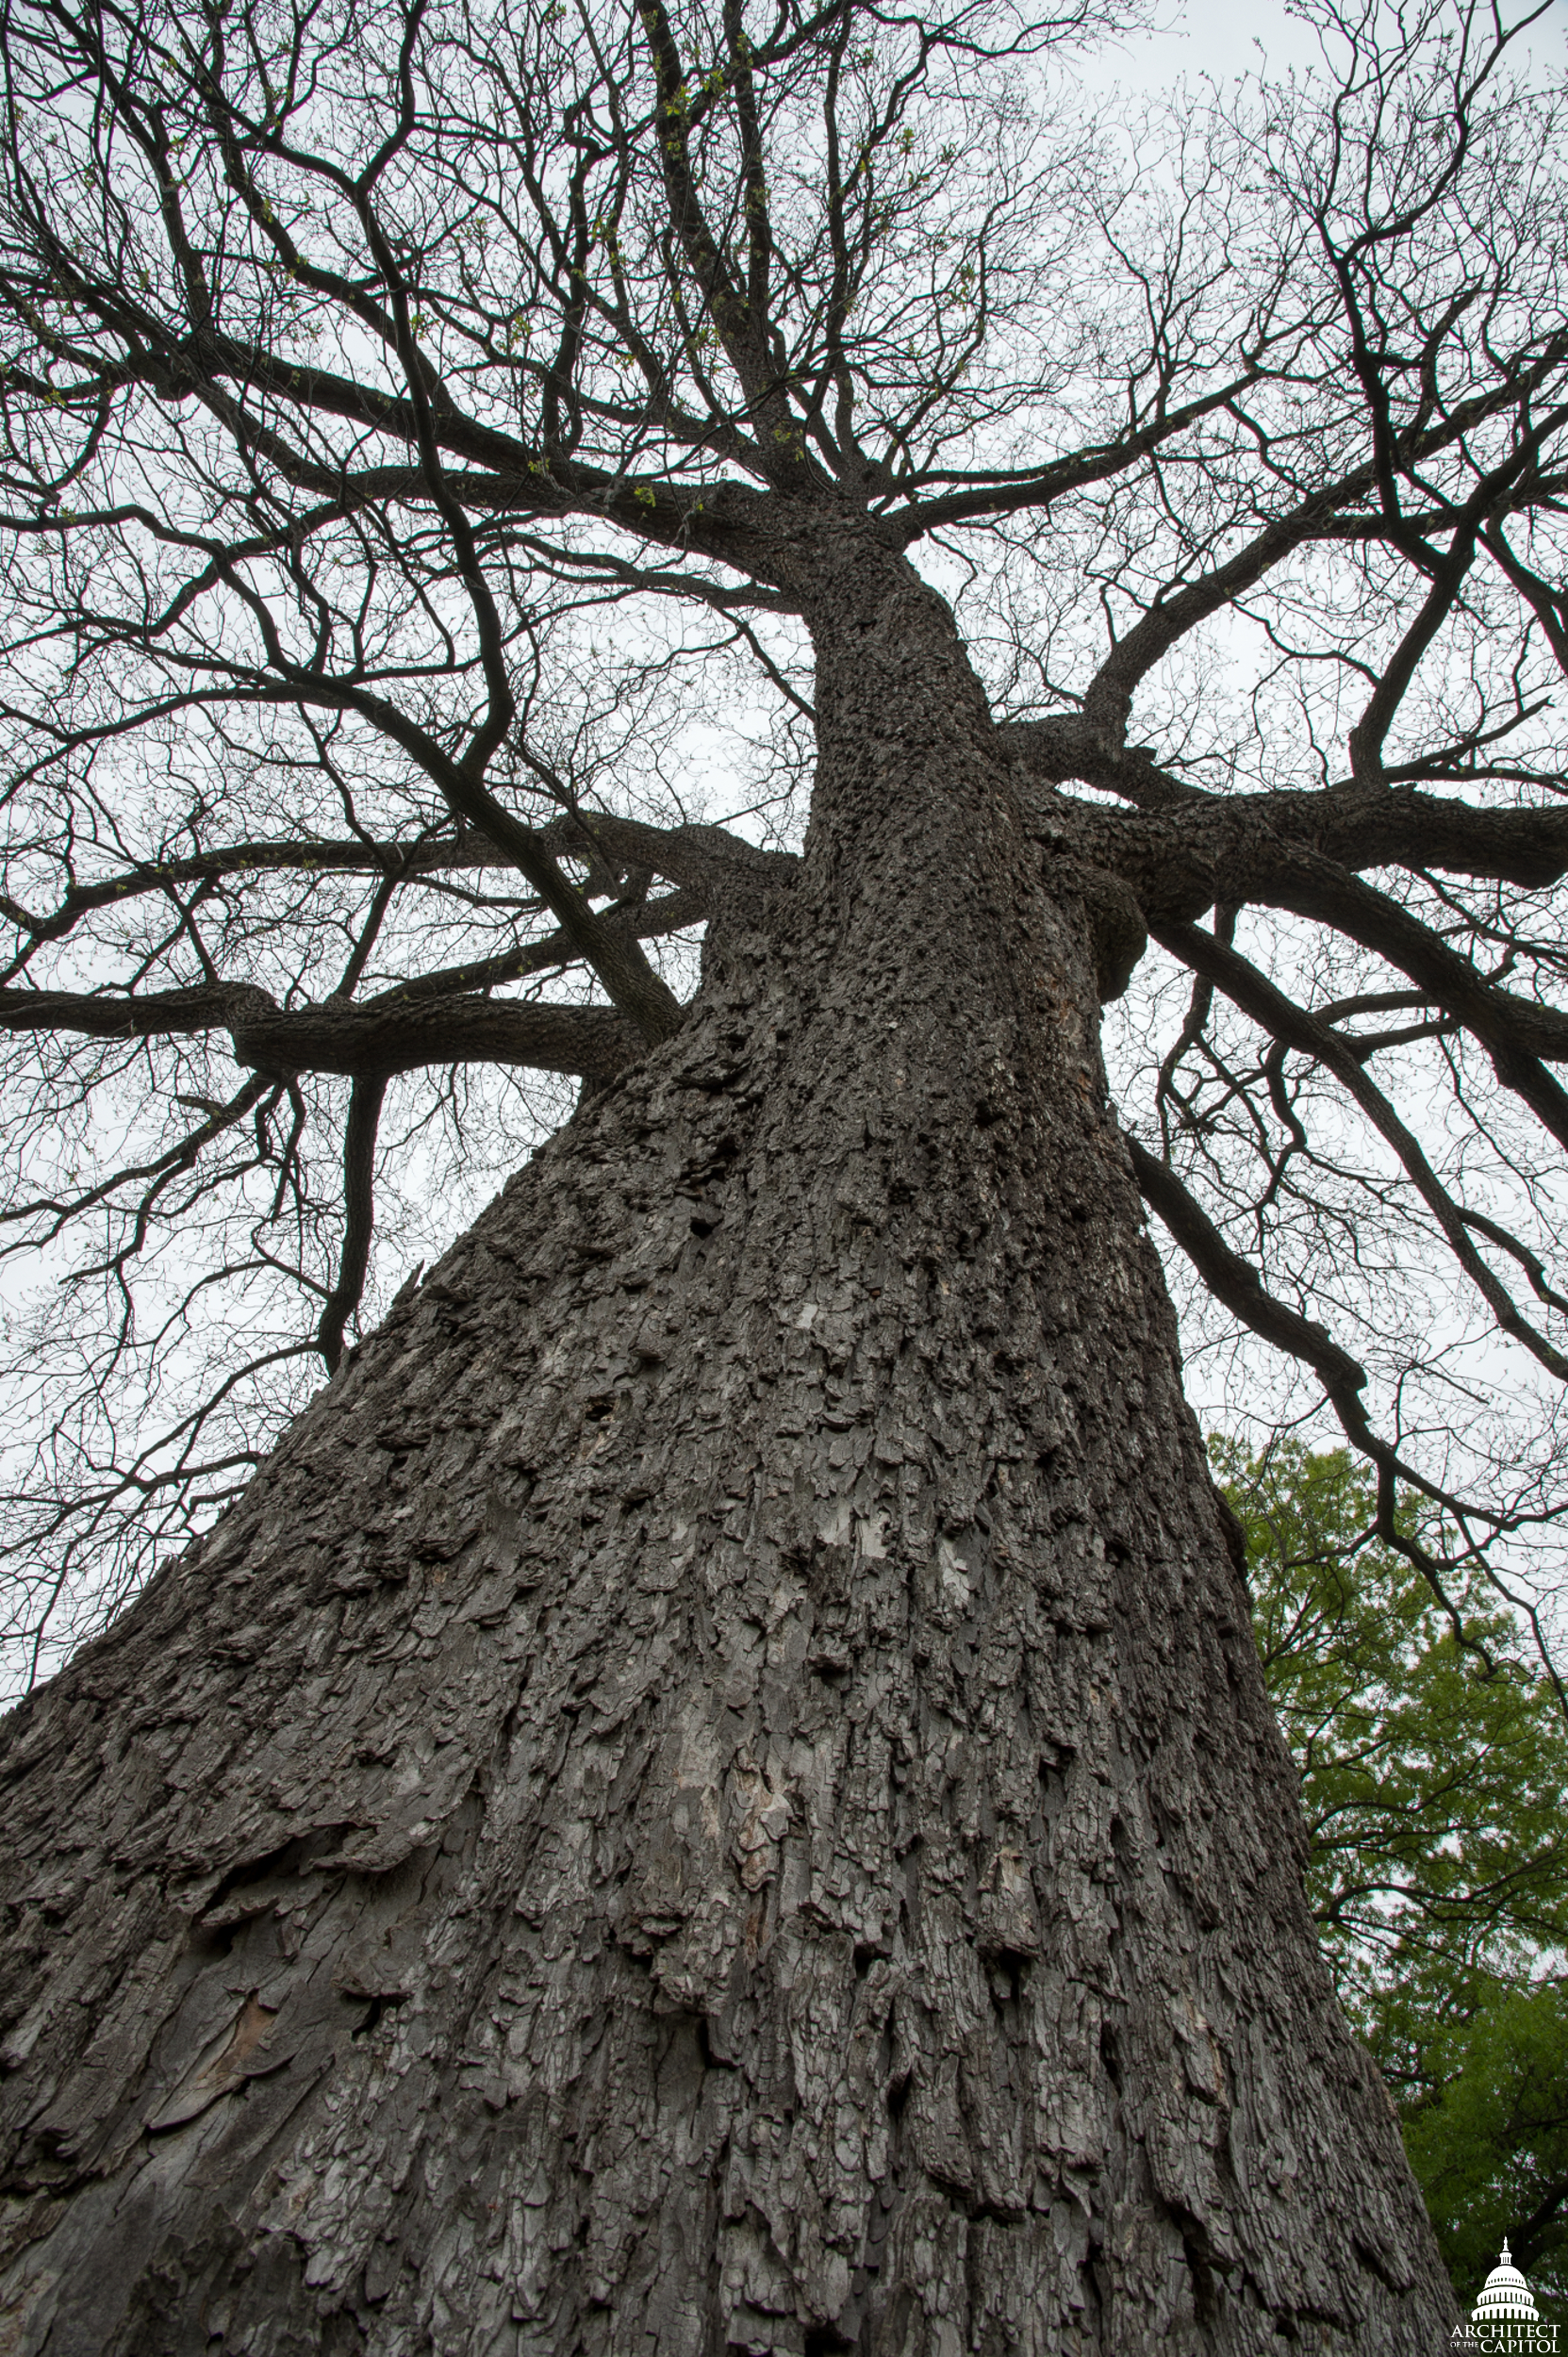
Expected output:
{"points": [[717, 1792]]}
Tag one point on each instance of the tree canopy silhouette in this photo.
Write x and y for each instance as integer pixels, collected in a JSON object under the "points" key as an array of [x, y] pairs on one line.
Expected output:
{"points": [[415, 429]]}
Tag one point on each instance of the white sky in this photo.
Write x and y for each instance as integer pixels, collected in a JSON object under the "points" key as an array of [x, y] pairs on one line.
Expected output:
{"points": [[1224, 38], [1216, 37]]}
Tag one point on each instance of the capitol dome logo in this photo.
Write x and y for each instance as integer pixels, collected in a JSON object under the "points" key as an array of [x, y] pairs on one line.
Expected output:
{"points": [[1505, 2319]]}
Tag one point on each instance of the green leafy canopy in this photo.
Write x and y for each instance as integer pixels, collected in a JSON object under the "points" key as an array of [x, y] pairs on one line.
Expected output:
{"points": [[1432, 1778]]}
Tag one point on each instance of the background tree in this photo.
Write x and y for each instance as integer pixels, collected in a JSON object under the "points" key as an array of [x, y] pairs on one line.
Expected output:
{"points": [[1491, 2142], [717, 1789], [1431, 1787]]}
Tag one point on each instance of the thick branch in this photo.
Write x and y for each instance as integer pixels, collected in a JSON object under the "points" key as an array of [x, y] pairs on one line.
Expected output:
{"points": [[709, 859], [1229, 848], [359, 1215], [1359, 826], [397, 1034]]}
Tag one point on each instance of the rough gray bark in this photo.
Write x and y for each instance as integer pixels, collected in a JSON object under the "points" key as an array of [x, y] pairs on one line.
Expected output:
{"points": [[717, 1792]]}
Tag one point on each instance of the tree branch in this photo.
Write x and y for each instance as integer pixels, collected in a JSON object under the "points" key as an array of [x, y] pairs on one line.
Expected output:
{"points": [[359, 1215], [396, 1033], [1235, 1282], [1257, 996]]}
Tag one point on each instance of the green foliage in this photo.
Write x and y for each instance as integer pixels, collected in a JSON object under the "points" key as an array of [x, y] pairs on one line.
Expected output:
{"points": [[1433, 1792], [1490, 2148]]}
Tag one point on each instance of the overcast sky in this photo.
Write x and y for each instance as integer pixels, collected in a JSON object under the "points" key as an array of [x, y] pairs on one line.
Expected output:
{"points": [[1228, 37]]}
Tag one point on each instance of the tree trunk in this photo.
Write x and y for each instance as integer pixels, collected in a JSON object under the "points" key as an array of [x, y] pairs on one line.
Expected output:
{"points": [[717, 1793]]}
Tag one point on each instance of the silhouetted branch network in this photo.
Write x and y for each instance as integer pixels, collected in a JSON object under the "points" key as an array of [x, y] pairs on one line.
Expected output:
{"points": [[423, 428]]}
